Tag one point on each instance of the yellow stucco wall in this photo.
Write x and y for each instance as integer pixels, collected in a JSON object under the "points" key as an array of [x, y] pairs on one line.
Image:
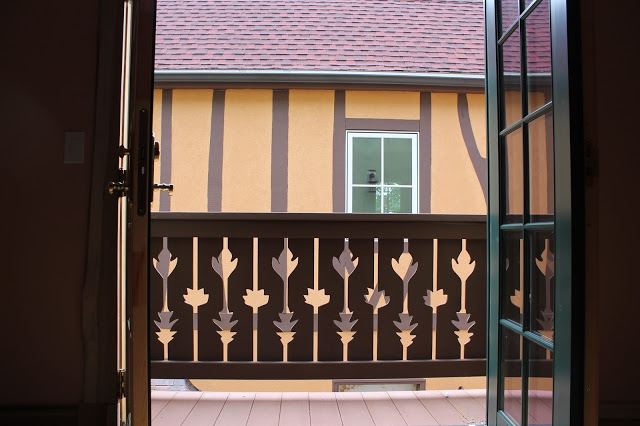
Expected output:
{"points": [[478, 121], [246, 174], [381, 104], [310, 151], [157, 130], [455, 188], [246, 171], [190, 140]]}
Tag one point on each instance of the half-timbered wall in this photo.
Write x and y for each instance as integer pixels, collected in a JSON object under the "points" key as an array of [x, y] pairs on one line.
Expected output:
{"points": [[260, 150]]}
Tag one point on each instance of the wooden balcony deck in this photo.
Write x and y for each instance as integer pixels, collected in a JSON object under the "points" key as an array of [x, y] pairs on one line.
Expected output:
{"points": [[456, 407]]}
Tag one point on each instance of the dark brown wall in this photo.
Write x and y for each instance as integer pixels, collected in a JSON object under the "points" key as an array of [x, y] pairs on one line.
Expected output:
{"points": [[48, 76], [612, 93]]}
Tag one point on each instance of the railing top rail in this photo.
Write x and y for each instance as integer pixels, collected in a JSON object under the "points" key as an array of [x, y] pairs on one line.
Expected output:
{"points": [[324, 225]]}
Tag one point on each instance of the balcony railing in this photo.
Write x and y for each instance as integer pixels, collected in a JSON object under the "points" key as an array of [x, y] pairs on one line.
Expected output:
{"points": [[311, 296]]}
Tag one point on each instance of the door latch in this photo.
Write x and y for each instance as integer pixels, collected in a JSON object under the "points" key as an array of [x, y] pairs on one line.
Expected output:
{"points": [[120, 187], [122, 384]]}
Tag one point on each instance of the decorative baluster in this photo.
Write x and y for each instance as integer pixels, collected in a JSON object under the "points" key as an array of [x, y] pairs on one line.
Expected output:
{"points": [[345, 266], [284, 266], [224, 266], [546, 265], [195, 297], [435, 298], [316, 297], [255, 298], [164, 265], [405, 268], [376, 298], [463, 268]]}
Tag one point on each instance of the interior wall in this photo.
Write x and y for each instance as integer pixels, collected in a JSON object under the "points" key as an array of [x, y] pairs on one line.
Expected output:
{"points": [[612, 90], [48, 69]]}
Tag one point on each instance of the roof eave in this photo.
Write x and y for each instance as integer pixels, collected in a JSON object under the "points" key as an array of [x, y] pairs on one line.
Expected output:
{"points": [[318, 77]]}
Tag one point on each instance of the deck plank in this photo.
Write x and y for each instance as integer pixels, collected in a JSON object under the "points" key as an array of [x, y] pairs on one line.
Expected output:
{"points": [[440, 408], [236, 409], [411, 409], [470, 409], [294, 409], [207, 409], [382, 410], [177, 410], [353, 410], [539, 410], [266, 409], [479, 395], [323, 409], [159, 400]]}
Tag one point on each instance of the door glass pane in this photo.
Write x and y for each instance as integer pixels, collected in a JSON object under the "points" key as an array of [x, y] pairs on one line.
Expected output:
{"points": [[513, 181], [512, 345], [542, 283], [397, 161], [541, 169], [510, 76], [397, 200], [540, 394], [538, 56], [366, 199], [513, 276], [508, 14], [367, 160]]}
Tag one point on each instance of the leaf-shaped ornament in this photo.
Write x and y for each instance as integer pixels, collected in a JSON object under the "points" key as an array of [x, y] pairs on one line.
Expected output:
{"points": [[404, 266], [435, 298], [463, 267], [164, 265], [224, 265]]}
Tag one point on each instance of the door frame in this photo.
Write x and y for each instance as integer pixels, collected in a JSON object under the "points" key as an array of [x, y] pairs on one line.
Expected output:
{"points": [[569, 210]]}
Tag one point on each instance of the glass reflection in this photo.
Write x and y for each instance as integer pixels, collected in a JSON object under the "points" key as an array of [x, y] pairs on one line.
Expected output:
{"points": [[538, 56], [513, 276], [510, 77], [542, 283], [511, 374], [513, 179], [541, 169], [508, 14], [540, 393]]}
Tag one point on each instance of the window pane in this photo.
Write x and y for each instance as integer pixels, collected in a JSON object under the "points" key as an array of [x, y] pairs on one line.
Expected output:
{"points": [[508, 14], [542, 283], [541, 173], [513, 276], [366, 160], [366, 199], [512, 345], [513, 181], [510, 77], [540, 386], [539, 56], [397, 161], [397, 200]]}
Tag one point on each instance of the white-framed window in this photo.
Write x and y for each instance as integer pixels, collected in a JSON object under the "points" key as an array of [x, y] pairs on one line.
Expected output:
{"points": [[382, 172]]}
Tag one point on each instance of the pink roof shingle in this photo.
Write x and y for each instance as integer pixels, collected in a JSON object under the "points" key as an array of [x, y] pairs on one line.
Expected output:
{"points": [[432, 36]]}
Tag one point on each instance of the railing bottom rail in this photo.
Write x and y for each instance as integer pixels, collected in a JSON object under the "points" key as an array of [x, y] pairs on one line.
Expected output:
{"points": [[317, 370]]}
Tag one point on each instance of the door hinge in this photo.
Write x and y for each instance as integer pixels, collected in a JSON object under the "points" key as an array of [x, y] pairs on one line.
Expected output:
{"points": [[122, 384]]}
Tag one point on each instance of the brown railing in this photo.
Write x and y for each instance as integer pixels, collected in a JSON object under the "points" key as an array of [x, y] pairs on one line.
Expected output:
{"points": [[301, 296]]}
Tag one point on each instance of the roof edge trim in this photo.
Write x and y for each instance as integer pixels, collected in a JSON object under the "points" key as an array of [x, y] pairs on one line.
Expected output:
{"points": [[315, 77]]}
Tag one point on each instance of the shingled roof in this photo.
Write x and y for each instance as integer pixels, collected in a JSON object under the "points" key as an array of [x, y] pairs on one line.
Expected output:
{"points": [[416, 36]]}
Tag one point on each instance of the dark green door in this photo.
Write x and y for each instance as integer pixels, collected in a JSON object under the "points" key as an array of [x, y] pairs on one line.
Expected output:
{"points": [[530, 338]]}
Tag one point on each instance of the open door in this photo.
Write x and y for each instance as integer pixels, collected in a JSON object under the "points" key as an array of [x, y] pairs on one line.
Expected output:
{"points": [[534, 356], [136, 186]]}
